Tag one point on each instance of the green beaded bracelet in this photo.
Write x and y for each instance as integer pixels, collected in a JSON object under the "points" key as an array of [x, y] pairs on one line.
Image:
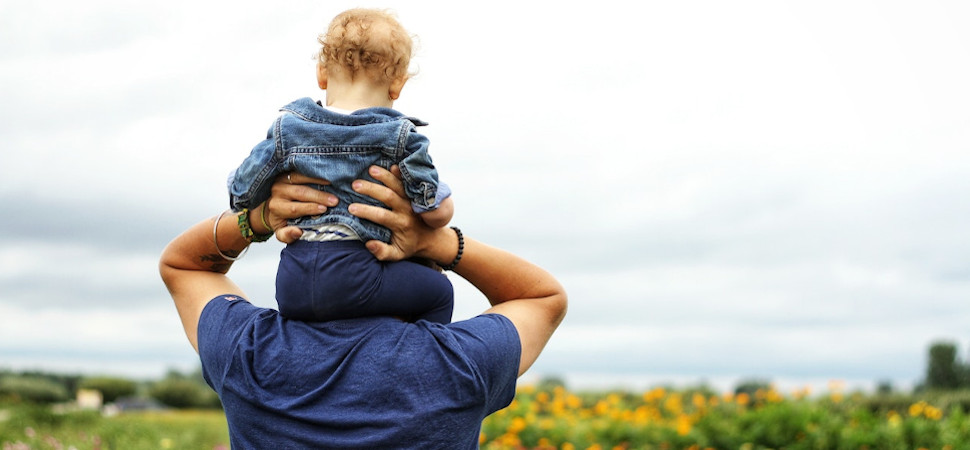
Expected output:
{"points": [[247, 230]]}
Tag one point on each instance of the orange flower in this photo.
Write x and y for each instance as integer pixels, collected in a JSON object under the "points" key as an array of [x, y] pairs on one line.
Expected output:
{"points": [[683, 424]]}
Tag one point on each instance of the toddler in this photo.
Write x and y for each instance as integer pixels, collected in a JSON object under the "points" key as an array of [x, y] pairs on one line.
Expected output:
{"points": [[329, 274]]}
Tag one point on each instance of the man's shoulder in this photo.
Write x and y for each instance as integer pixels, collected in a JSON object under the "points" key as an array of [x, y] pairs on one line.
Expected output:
{"points": [[485, 339]]}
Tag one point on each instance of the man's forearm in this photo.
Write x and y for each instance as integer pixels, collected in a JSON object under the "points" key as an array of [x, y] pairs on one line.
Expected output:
{"points": [[195, 249], [501, 276]]}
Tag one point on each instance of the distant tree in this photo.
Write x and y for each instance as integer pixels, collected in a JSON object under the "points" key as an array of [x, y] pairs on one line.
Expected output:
{"points": [[943, 371], [177, 393], [111, 388], [551, 382], [751, 385], [69, 381], [180, 390], [32, 389], [884, 387]]}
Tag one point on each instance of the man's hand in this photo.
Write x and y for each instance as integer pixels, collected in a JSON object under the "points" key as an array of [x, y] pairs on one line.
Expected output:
{"points": [[292, 198], [409, 234]]}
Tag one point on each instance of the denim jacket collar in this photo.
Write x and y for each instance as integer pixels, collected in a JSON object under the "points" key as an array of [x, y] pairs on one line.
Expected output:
{"points": [[314, 111]]}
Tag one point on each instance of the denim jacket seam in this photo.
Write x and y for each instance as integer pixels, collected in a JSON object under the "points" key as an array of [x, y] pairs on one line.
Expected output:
{"points": [[332, 150]]}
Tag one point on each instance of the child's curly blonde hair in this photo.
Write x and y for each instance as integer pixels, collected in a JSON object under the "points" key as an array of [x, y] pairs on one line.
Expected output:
{"points": [[369, 42]]}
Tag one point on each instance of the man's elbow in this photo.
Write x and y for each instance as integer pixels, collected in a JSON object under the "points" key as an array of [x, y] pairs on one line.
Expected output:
{"points": [[166, 268], [558, 305]]}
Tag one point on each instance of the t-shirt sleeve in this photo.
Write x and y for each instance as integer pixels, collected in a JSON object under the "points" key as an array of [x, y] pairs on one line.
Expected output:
{"points": [[222, 321], [492, 343]]}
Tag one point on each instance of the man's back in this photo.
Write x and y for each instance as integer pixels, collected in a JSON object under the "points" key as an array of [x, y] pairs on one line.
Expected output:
{"points": [[362, 383]]}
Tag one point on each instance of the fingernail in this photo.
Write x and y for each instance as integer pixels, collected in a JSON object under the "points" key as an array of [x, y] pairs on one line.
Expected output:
{"points": [[352, 209], [374, 170], [357, 185]]}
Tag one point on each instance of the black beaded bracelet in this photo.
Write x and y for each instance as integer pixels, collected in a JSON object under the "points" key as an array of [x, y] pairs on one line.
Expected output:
{"points": [[461, 249]]}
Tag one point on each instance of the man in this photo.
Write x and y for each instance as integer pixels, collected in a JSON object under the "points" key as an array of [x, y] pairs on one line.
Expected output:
{"points": [[370, 382]]}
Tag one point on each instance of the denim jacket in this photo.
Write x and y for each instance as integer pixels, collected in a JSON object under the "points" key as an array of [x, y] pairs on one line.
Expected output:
{"points": [[312, 140]]}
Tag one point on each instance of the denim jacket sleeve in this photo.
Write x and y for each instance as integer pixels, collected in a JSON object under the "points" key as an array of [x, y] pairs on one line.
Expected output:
{"points": [[250, 184], [419, 174]]}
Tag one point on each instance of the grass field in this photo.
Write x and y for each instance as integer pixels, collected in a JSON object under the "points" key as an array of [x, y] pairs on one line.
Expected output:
{"points": [[556, 418], [35, 427]]}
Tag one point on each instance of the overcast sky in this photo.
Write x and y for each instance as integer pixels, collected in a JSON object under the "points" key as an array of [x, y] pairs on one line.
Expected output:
{"points": [[726, 189]]}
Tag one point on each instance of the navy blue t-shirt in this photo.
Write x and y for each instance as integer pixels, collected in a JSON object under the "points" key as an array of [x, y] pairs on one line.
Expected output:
{"points": [[372, 382]]}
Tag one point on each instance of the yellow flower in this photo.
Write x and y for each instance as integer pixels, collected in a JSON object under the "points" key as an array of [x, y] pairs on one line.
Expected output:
{"points": [[894, 419], [773, 396], [932, 412], [836, 397], [683, 424], [699, 400], [574, 402], [742, 399], [674, 404], [917, 408], [601, 408], [510, 440], [542, 397], [654, 395], [714, 400], [517, 425]]}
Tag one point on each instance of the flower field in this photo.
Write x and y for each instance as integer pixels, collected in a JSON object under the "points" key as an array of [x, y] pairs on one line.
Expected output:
{"points": [[699, 419], [554, 417]]}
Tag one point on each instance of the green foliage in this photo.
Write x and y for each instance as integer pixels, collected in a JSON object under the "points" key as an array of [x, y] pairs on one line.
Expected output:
{"points": [[943, 370], [111, 388], [41, 427], [177, 393], [31, 388], [751, 386], [184, 391], [548, 383]]}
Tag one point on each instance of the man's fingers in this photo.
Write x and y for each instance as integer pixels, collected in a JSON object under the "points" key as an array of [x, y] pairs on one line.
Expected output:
{"points": [[375, 214], [390, 194], [391, 179], [303, 193], [299, 178]]}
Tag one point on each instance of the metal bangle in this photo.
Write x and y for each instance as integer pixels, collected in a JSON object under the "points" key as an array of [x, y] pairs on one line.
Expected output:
{"points": [[215, 229]]}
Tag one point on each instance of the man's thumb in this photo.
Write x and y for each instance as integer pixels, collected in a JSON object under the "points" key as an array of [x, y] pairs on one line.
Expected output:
{"points": [[376, 248]]}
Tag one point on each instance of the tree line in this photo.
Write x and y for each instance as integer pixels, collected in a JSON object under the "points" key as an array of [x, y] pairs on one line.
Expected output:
{"points": [[175, 389], [945, 371]]}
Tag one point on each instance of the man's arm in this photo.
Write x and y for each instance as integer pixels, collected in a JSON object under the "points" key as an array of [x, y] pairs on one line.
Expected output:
{"points": [[527, 295], [193, 268]]}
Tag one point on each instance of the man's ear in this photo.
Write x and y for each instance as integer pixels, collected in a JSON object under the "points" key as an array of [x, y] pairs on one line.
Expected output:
{"points": [[394, 91], [321, 75]]}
